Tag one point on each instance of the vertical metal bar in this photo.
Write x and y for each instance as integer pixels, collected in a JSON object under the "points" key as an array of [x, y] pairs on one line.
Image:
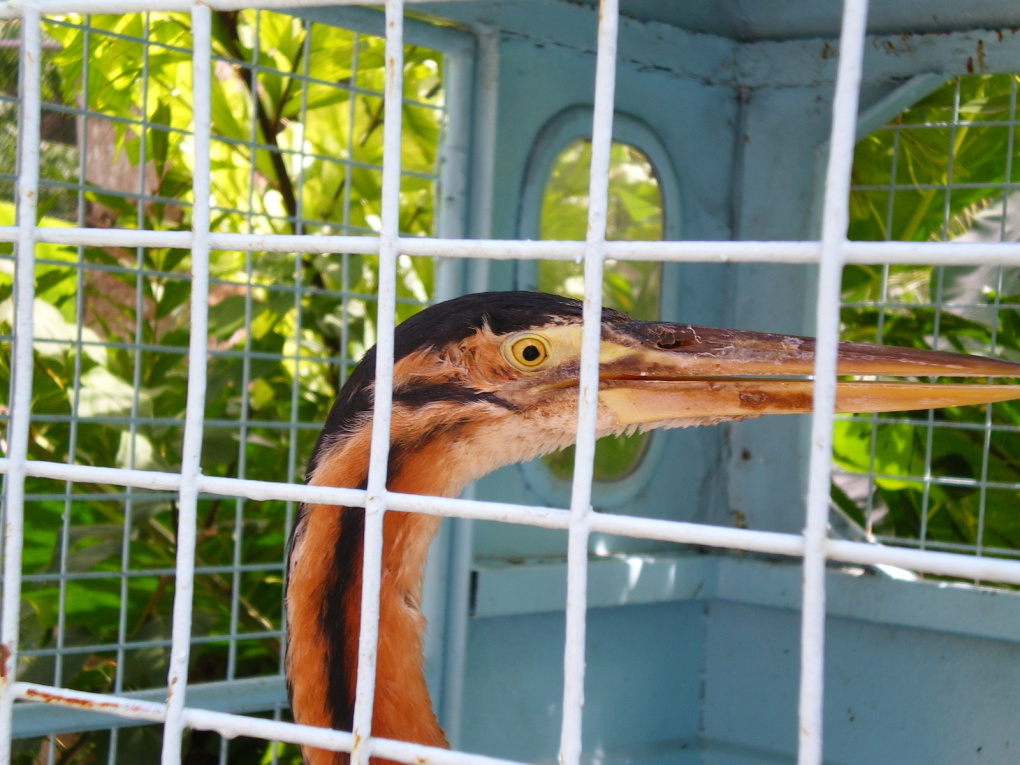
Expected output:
{"points": [[302, 151], [486, 116], [986, 445], [245, 415], [454, 146], [295, 387], [72, 447], [834, 229], [299, 292], [21, 377], [345, 263], [936, 301], [375, 499], [883, 299], [587, 400], [136, 377], [483, 160], [478, 225], [929, 427], [457, 614], [180, 647], [986, 441], [947, 195], [452, 185]]}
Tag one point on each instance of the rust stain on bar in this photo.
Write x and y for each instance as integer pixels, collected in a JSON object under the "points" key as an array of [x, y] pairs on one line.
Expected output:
{"points": [[53, 698]]}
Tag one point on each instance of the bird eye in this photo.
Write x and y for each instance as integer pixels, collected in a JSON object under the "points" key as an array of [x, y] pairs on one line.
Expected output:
{"points": [[527, 352]]}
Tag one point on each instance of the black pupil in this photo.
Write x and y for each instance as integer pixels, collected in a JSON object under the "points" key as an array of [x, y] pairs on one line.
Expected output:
{"points": [[531, 352]]}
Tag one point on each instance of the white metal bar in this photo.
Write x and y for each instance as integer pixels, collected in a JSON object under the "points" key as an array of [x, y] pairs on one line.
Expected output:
{"points": [[232, 725], [375, 499], [22, 362], [242, 450], [485, 120], [111, 237], [139, 335], [587, 398], [458, 606], [835, 218], [672, 251], [478, 223], [793, 252], [948, 564], [345, 266], [191, 452], [832, 251], [924, 561]]}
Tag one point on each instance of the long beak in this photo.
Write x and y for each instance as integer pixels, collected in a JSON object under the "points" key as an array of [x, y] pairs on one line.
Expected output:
{"points": [[655, 372]]}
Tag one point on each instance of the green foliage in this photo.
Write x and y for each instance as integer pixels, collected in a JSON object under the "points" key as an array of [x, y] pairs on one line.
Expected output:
{"points": [[923, 176], [297, 117], [635, 212], [928, 176]]}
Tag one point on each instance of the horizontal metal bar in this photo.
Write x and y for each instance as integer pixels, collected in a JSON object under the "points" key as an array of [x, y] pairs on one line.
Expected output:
{"points": [[109, 648], [142, 573], [950, 186], [143, 711], [948, 305], [228, 353], [247, 695], [137, 497], [682, 532], [926, 561], [897, 127], [945, 564], [790, 252], [932, 480], [123, 237], [938, 545], [167, 422], [693, 251], [938, 425], [934, 253]]}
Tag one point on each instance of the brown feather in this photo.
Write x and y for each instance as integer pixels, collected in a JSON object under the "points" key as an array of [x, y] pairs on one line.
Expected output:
{"points": [[402, 709]]}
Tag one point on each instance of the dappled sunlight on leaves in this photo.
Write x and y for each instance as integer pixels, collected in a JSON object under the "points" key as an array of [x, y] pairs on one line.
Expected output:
{"points": [[297, 121], [937, 172]]}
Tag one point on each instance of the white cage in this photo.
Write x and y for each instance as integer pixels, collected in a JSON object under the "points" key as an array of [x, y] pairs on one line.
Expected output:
{"points": [[218, 706]]}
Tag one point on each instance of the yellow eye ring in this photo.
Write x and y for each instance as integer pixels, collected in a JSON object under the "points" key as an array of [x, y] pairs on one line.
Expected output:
{"points": [[527, 351]]}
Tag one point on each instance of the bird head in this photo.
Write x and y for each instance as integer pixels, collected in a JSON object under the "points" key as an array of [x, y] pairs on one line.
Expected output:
{"points": [[492, 378]]}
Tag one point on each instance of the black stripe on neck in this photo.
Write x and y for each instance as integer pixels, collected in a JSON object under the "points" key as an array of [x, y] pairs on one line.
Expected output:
{"points": [[338, 619]]}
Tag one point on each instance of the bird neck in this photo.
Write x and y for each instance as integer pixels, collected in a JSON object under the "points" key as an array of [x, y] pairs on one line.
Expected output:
{"points": [[324, 601]]}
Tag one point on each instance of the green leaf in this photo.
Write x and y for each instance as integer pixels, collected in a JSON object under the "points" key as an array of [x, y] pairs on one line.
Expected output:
{"points": [[104, 394]]}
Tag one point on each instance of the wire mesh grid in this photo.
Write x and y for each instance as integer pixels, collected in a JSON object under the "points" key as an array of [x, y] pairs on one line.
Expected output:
{"points": [[114, 336], [136, 479], [922, 178]]}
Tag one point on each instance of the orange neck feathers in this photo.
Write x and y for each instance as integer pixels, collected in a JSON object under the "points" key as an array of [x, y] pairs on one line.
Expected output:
{"points": [[324, 599]]}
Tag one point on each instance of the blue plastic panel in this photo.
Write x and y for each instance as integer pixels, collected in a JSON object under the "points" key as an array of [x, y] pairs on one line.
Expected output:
{"points": [[643, 691], [703, 666]]}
